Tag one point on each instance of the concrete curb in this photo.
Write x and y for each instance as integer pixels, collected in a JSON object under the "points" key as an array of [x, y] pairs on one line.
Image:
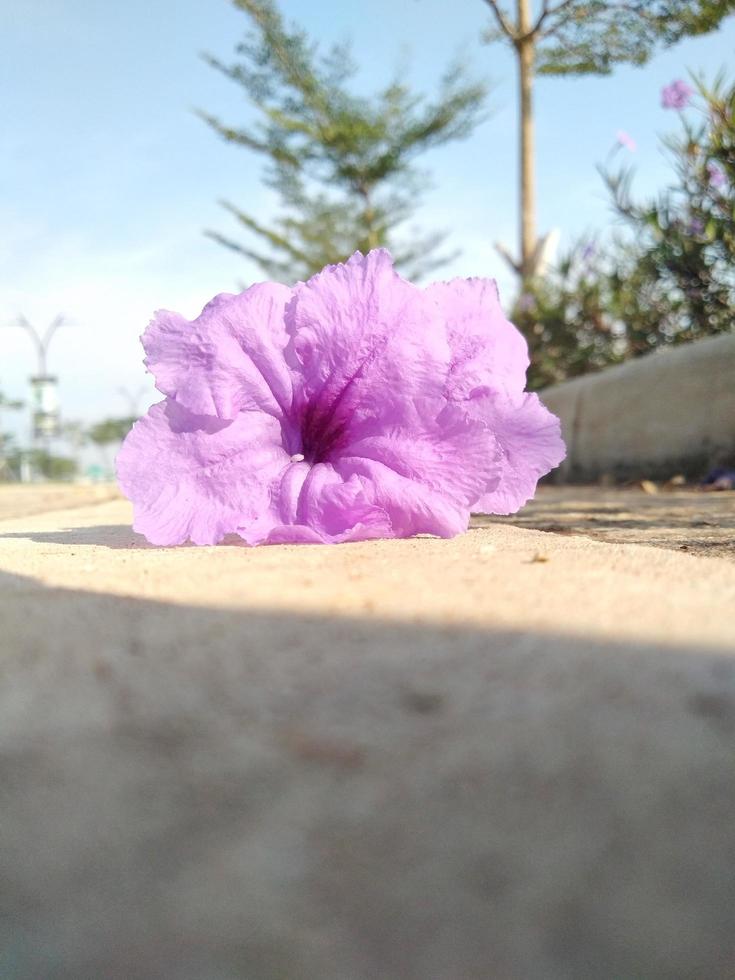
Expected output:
{"points": [[669, 412]]}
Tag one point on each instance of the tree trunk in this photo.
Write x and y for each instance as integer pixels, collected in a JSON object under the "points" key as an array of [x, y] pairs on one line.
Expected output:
{"points": [[526, 48], [369, 217]]}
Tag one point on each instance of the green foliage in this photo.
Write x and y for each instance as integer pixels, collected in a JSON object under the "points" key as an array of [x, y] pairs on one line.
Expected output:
{"points": [[592, 36], [582, 37], [670, 281], [7, 441], [9, 404], [47, 465], [7, 447], [342, 164], [110, 431], [53, 467], [563, 37], [686, 236], [568, 320]]}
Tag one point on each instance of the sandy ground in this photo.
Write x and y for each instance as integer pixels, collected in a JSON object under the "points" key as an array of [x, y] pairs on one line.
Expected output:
{"points": [[23, 499], [508, 755]]}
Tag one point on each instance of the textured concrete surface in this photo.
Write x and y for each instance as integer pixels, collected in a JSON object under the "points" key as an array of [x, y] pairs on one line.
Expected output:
{"points": [[669, 412], [690, 520], [509, 755]]}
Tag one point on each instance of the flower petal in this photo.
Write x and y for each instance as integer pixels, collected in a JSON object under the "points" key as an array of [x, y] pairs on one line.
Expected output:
{"points": [[412, 507], [357, 406], [198, 478], [365, 341], [486, 347], [487, 377], [316, 504], [531, 443], [229, 359], [426, 476]]}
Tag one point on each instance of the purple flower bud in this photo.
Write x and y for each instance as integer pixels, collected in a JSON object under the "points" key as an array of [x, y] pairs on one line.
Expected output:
{"points": [[624, 139], [677, 95]]}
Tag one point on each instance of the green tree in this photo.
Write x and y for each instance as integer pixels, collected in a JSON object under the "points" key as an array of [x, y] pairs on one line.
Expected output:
{"points": [[342, 164], [53, 467], [7, 446], [42, 463], [670, 280], [7, 441], [583, 37], [568, 317], [109, 431]]}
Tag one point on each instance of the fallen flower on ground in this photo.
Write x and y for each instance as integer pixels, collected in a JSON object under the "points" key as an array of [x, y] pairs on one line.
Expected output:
{"points": [[355, 405]]}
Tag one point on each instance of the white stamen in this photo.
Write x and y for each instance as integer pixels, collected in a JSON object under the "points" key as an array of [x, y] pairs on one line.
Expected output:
{"points": [[297, 458]]}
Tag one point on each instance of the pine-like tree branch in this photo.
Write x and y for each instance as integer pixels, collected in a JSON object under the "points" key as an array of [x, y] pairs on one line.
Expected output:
{"points": [[549, 13], [342, 164], [503, 23]]}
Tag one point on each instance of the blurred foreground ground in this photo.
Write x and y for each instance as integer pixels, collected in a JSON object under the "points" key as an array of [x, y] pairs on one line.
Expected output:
{"points": [[509, 755]]}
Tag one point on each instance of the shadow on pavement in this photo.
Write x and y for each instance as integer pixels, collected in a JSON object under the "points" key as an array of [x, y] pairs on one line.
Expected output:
{"points": [[205, 794], [105, 535], [702, 524]]}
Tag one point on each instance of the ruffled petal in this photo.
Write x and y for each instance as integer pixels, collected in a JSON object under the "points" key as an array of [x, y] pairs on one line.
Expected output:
{"points": [[315, 504], [486, 348], [412, 507], [197, 478], [364, 342], [229, 359], [530, 440], [487, 378], [425, 477]]}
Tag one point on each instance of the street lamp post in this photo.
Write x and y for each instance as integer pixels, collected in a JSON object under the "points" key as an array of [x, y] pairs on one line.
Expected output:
{"points": [[45, 402]]}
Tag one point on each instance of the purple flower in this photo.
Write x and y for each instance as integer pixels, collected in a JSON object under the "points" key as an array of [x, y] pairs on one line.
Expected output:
{"points": [[526, 302], [696, 226], [354, 406], [677, 95], [716, 176], [589, 252], [624, 139]]}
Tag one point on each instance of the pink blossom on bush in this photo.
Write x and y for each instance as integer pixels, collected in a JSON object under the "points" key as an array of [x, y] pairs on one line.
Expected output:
{"points": [[677, 95], [624, 139]]}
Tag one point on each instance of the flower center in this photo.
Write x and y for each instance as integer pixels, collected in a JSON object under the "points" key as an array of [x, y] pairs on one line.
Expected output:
{"points": [[325, 420], [322, 433]]}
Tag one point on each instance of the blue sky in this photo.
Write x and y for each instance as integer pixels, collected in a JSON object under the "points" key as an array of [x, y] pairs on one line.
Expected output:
{"points": [[107, 178]]}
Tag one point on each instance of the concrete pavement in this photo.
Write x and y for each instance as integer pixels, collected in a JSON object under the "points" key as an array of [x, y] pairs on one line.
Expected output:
{"points": [[508, 755]]}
